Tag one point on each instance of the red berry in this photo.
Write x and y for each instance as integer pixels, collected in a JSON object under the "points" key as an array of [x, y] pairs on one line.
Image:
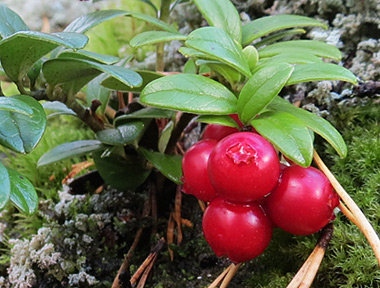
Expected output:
{"points": [[303, 202], [243, 167], [194, 167], [218, 132], [240, 232]]}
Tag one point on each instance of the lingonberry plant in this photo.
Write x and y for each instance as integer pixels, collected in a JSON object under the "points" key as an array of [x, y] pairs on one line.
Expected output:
{"points": [[247, 67]]}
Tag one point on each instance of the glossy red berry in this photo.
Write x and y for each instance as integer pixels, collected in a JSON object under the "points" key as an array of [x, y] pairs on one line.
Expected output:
{"points": [[243, 167], [240, 232], [194, 166], [303, 202], [218, 132]]}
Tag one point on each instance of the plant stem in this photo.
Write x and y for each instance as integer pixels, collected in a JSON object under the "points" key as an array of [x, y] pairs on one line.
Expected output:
{"points": [[347, 213], [231, 273], [220, 277], [362, 222], [164, 16], [177, 131]]}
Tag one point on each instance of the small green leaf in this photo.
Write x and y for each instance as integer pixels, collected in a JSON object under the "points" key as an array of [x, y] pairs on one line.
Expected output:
{"points": [[224, 120], [20, 132], [57, 108], [73, 74], [252, 56], [20, 51], [69, 150], [16, 104], [35, 71], [5, 185], [95, 91], [88, 55], [291, 58], [320, 71], [265, 25], [287, 133], [261, 88], [221, 14], [147, 77], [146, 113], [154, 37], [190, 93], [169, 165], [273, 38], [10, 22], [86, 22], [314, 122], [122, 135], [216, 43], [190, 67], [165, 136], [120, 172], [230, 74], [23, 195], [317, 48]]}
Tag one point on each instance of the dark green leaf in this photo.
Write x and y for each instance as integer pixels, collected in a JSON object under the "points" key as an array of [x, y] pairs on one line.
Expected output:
{"points": [[230, 74], [298, 47], [150, 4], [261, 88], [320, 71], [147, 77], [224, 120], [23, 195], [20, 51], [169, 165], [190, 93], [88, 55], [165, 136], [16, 104], [73, 74], [273, 38], [221, 14], [35, 71], [146, 113], [265, 25], [154, 37], [122, 173], [216, 43], [21, 132], [69, 150], [287, 133], [10, 22], [122, 135], [5, 185], [57, 108], [314, 122], [95, 91]]}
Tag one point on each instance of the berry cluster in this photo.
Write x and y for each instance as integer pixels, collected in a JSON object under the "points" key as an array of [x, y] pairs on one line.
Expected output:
{"points": [[250, 192]]}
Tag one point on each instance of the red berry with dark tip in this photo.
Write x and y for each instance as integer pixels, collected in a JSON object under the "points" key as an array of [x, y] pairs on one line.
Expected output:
{"points": [[240, 232], [194, 167], [303, 201], [243, 167]]}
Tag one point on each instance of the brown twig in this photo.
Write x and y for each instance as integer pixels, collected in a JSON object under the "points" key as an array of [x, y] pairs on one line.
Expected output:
{"points": [[220, 278], [362, 223], [145, 275], [231, 273], [177, 214], [347, 213], [170, 235], [202, 205]]}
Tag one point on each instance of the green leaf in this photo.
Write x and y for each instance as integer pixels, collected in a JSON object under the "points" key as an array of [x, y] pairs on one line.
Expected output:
{"points": [[291, 58], [120, 172], [151, 5], [265, 25], [154, 37], [16, 104], [261, 88], [287, 133], [88, 55], [5, 185], [147, 77], [73, 74], [122, 135], [10, 22], [190, 93], [314, 122], [20, 132], [219, 46], [165, 136], [190, 67], [20, 51], [23, 195], [230, 74], [252, 56], [57, 108], [224, 120], [69, 150], [146, 113], [95, 91], [35, 71], [273, 38], [317, 48], [221, 14], [192, 53], [320, 71], [169, 165]]}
